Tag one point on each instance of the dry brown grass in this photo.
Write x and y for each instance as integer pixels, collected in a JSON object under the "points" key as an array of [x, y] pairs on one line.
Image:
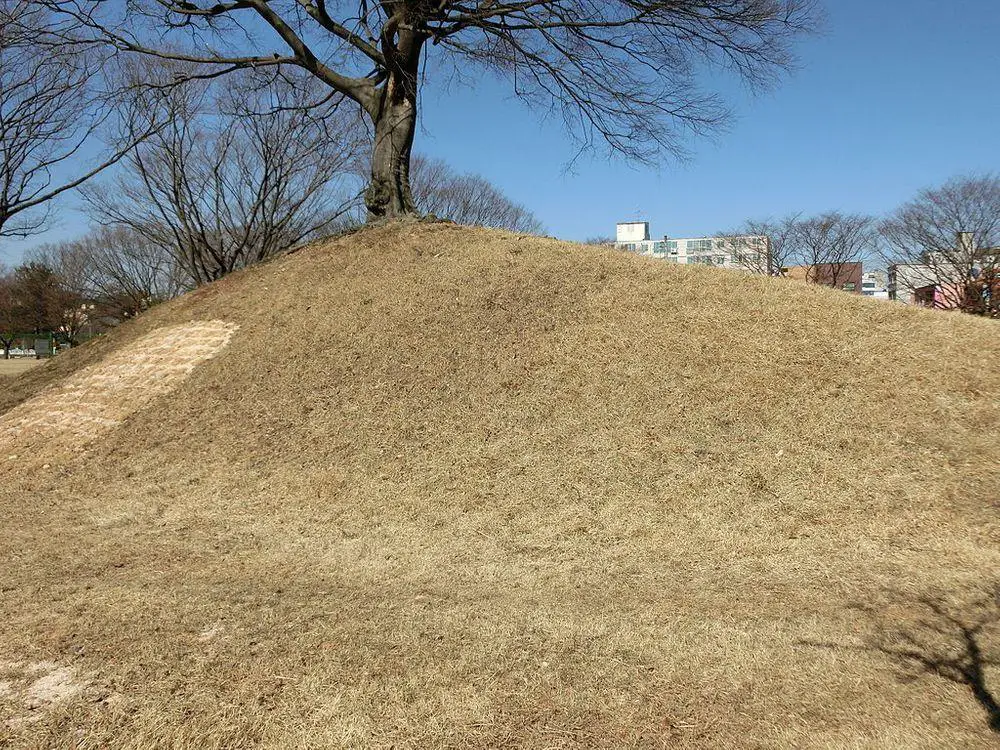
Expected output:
{"points": [[457, 488]]}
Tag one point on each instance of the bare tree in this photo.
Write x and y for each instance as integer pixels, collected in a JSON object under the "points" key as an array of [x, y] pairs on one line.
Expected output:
{"points": [[114, 272], [221, 192], [832, 244], [624, 73], [778, 251], [11, 321], [37, 300], [70, 272], [49, 109], [466, 198], [127, 273], [948, 237]]}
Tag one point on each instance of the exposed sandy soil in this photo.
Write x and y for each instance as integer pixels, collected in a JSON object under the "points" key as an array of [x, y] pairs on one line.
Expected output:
{"points": [[29, 690], [455, 488], [97, 398]]}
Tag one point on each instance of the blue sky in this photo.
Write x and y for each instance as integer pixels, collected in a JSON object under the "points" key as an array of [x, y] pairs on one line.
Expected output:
{"points": [[893, 96]]}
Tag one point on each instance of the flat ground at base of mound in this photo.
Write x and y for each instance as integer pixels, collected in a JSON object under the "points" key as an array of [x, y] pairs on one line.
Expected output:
{"points": [[438, 487], [10, 367]]}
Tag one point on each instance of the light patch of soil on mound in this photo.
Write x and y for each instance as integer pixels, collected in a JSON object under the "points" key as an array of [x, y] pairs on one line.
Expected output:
{"points": [[100, 397], [29, 688]]}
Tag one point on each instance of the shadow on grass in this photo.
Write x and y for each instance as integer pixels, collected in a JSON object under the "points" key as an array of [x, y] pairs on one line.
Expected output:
{"points": [[936, 635]]}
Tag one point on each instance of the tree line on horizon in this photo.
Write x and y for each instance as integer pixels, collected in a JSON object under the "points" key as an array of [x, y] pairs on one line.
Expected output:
{"points": [[227, 133], [950, 232], [152, 241]]}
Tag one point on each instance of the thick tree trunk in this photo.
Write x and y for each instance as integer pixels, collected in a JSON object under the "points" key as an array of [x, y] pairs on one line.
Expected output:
{"points": [[388, 193], [395, 119]]}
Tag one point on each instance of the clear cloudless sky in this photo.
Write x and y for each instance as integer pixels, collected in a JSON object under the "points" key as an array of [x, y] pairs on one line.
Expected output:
{"points": [[892, 96]]}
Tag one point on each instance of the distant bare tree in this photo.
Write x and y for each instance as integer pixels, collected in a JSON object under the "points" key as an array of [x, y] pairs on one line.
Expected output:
{"points": [[952, 235], [37, 299], [11, 320], [600, 241], [49, 110], [128, 273], [829, 244], [71, 273], [780, 249], [621, 73], [466, 198], [257, 177], [115, 271]]}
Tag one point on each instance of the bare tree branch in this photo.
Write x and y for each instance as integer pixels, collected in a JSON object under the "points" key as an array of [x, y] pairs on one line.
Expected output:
{"points": [[50, 109], [623, 74], [948, 238], [225, 192], [780, 251]]}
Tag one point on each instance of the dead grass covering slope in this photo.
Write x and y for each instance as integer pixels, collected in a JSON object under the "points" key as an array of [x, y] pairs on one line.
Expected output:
{"points": [[449, 487]]}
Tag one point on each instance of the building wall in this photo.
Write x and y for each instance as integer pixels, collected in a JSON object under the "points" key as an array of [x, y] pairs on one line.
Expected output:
{"points": [[844, 276], [905, 278], [709, 251], [634, 231], [942, 283], [873, 285]]}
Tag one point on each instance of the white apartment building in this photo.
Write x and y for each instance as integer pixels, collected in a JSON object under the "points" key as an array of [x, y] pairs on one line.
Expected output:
{"points": [[913, 283], [873, 284], [743, 253]]}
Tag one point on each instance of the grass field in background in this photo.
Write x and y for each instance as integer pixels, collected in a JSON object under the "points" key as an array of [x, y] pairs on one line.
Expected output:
{"points": [[17, 366]]}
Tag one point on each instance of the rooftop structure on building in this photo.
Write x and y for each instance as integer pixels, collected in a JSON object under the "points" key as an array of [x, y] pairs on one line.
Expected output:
{"points": [[748, 253]]}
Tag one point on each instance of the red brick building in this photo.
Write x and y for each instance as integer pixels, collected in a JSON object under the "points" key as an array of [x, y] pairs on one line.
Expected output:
{"points": [[845, 276]]}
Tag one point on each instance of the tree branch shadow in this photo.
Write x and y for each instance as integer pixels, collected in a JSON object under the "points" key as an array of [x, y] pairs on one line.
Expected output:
{"points": [[937, 635]]}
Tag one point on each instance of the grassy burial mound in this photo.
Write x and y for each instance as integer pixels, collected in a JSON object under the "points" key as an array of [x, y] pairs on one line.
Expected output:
{"points": [[429, 486]]}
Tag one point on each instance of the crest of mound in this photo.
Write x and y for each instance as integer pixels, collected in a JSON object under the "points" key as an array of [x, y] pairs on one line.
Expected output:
{"points": [[456, 486], [409, 335]]}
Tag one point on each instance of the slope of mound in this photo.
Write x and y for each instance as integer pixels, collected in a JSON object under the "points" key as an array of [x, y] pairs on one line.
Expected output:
{"points": [[434, 486]]}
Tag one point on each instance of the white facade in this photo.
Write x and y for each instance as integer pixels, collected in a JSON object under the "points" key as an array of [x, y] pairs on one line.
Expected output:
{"points": [[904, 278], [749, 253], [873, 285], [941, 281], [634, 231]]}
